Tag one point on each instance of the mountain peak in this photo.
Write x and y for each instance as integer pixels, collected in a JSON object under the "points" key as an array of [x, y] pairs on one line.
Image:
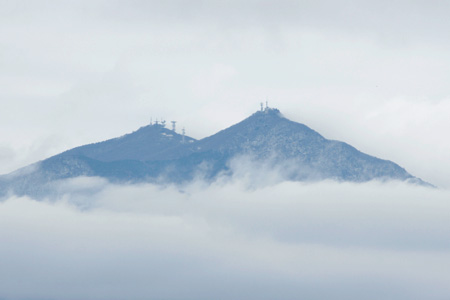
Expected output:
{"points": [[141, 144], [268, 112], [155, 153]]}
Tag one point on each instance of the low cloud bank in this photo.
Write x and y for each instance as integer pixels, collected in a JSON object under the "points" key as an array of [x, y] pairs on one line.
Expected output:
{"points": [[287, 240]]}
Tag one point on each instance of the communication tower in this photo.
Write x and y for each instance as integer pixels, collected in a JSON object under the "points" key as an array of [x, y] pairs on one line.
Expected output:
{"points": [[183, 132], [173, 125]]}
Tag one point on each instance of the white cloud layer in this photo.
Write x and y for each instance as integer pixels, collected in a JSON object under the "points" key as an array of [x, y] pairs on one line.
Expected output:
{"points": [[227, 241]]}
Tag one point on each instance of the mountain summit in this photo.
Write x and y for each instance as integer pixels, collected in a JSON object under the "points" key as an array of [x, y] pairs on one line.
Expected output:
{"points": [[156, 154]]}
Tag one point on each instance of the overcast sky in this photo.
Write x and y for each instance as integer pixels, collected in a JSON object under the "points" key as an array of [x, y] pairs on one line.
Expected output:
{"points": [[374, 74]]}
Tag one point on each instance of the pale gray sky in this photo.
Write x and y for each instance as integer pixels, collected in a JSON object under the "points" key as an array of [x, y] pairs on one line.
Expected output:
{"points": [[372, 73]]}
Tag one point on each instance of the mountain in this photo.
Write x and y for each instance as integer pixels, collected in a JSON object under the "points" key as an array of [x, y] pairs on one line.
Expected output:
{"points": [[156, 154], [147, 143], [269, 136]]}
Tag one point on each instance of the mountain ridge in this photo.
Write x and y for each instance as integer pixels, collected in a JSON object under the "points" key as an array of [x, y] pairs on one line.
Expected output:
{"points": [[156, 154]]}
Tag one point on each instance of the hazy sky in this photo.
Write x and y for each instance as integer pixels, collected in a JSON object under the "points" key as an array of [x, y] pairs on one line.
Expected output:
{"points": [[372, 73]]}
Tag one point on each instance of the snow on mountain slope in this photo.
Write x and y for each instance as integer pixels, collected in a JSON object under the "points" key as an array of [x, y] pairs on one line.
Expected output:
{"points": [[156, 154], [144, 144], [267, 135]]}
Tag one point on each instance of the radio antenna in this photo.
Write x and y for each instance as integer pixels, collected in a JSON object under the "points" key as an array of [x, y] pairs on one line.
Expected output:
{"points": [[183, 132]]}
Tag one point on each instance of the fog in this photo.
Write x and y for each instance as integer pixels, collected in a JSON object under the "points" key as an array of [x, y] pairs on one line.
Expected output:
{"points": [[227, 240]]}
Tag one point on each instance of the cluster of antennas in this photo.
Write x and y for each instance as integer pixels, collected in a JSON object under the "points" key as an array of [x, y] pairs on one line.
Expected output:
{"points": [[266, 108], [162, 123]]}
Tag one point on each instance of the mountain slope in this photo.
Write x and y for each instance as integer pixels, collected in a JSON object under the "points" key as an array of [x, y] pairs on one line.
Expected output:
{"points": [[144, 144], [268, 136], [156, 154]]}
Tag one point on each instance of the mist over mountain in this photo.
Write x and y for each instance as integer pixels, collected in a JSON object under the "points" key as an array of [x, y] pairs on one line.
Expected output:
{"points": [[156, 154]]}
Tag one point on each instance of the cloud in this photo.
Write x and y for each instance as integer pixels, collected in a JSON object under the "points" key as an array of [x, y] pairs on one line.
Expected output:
{"points": [[227, 241]]}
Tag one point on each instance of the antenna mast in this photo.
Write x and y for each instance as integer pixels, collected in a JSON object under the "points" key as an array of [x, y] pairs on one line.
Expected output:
{"points": [[183, 134], [173, 125]]}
